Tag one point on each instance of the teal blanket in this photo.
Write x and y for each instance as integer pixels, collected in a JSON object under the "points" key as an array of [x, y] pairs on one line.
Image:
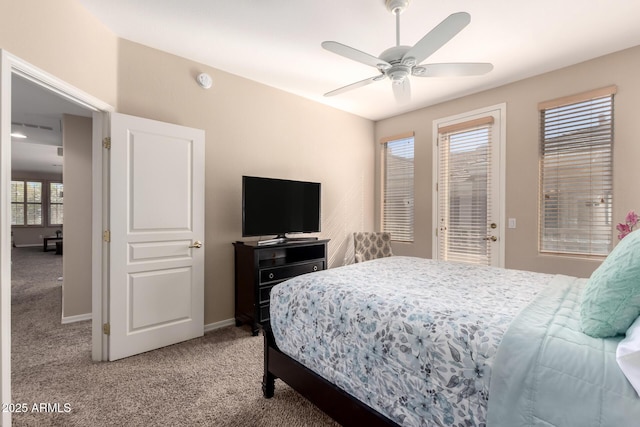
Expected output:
{"points": [[551, 374]]}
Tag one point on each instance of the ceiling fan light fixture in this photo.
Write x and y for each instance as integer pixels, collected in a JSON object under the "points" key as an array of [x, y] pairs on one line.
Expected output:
{"points": [[397, 77]]}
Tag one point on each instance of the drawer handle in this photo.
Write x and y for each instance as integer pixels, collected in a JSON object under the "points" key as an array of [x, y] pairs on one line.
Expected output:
{"points": [[270, 275], [315, 268]]}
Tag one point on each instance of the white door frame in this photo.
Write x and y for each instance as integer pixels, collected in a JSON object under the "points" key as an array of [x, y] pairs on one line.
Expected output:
{"points": [[502, 145], [10, 64]]}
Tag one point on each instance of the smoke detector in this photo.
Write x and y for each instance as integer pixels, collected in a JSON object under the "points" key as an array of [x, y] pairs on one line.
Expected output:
{"points": [[204, 80]]}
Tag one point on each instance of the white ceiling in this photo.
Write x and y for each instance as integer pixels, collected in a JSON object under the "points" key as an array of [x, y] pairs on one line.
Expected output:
{"points": [[37, 113], [277, 42]]}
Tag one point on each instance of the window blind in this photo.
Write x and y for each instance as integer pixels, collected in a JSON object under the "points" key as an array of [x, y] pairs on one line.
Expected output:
{"points": [[56, 203], [576, 168], [26, 202], [397, 209], [464, 191], [17, 202]]}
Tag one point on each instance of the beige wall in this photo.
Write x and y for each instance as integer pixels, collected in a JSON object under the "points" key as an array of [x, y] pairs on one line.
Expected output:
{"points": [[76, 266], [252, 129], [522, 153], [65, 40]]}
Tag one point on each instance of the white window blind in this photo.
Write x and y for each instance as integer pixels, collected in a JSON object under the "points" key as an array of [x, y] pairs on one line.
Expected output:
{"points": [[26, 202], [576, 191], [56, 203], [464, 191], [397, 209]]}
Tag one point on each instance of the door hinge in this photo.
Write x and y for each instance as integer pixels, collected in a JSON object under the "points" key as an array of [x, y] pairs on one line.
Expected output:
{"points": [[106, 142], [106, 235], [106, 328]]}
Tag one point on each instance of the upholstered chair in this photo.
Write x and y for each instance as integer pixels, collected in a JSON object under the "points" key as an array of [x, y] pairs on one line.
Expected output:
{"points": [[371, 245]]}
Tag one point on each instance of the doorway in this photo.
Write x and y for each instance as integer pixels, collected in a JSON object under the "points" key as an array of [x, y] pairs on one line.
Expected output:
{"points": [[45, 127], [10, 66], [468, 203]]}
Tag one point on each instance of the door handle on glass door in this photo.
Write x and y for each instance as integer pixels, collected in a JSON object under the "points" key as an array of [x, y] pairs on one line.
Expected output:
{"points": [[492, 238], [197, 244]]}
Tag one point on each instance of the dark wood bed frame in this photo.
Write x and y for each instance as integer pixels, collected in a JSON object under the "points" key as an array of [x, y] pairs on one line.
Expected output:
{"points": [[335, 402]]}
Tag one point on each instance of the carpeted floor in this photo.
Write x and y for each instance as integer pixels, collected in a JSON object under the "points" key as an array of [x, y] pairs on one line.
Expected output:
{"points": [[210, 381]]}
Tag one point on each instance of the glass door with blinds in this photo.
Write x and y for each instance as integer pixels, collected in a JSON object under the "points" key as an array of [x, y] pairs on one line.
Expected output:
{"points": [[469, 188]]}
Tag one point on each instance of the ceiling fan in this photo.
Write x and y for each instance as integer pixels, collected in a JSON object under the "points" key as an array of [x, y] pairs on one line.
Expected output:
{"points": [[399, 62]]}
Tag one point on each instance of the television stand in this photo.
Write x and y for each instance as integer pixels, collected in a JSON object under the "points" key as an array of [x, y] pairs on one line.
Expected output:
{"points": [[258, 268]]}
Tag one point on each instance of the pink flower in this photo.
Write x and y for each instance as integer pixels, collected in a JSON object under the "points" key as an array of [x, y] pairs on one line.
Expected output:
{"points": [[630, 221], [624, 229]]}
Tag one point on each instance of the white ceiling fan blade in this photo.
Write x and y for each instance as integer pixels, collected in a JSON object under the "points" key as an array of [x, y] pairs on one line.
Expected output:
{"points": [[355, 54], [453, 69], [402, 91], [355, 85], [437, 37]]}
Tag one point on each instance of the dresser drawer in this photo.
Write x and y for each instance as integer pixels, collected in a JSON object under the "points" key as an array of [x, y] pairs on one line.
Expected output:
{"points": [[265, 292], [264, 313], [281, 273]]}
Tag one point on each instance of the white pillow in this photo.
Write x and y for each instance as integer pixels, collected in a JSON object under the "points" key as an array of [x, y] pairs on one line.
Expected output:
{"points": [[628, 355]]}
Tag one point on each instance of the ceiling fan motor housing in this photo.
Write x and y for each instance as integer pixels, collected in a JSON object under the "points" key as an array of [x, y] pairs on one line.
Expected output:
{"points": [[399, 70]]}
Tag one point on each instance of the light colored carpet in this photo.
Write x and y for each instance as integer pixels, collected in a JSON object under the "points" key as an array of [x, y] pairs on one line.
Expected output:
{"points": [[211, 381]]}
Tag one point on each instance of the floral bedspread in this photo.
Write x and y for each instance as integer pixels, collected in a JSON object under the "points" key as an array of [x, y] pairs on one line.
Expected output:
{"points": [[413, 338]]}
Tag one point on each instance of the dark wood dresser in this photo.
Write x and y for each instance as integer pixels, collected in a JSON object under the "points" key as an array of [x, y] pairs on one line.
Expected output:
{"points": [[258, 268]]}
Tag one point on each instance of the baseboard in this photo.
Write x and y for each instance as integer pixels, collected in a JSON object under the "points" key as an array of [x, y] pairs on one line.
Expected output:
{"points": [[77, 318], [217, 325], [207, 328]]}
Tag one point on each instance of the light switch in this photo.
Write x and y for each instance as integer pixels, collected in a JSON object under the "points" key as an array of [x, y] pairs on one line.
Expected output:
{"points": [[512, 223]]}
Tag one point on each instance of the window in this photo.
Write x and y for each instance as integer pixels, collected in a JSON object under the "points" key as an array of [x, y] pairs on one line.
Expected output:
{"points": [[576, 191], [55, 203], [397, 187], [26, 203]]}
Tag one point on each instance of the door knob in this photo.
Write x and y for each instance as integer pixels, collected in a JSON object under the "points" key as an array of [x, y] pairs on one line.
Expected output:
{"points": [[197, 244], [492, 238]]}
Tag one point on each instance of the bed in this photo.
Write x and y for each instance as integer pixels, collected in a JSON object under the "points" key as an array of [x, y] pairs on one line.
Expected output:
{"points": [[417, 342]]}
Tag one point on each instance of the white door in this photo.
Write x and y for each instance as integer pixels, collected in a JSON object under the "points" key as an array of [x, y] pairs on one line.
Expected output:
{"points": [[156, 249], [469, 176]]}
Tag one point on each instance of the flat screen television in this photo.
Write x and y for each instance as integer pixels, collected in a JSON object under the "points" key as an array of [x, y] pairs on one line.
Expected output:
{"points": [[279, 206]]}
